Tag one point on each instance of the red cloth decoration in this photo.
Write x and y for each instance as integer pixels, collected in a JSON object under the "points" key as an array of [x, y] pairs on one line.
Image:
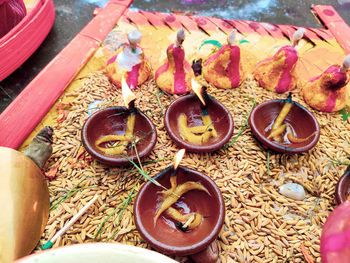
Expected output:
{"points": [[11, 13]]}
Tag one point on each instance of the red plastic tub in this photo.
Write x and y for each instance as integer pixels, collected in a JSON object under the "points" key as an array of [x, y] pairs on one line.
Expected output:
{"points": [[21, 42]]}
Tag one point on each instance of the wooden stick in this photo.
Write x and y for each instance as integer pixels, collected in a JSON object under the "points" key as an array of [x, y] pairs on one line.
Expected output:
{"points": [[70, 223]]}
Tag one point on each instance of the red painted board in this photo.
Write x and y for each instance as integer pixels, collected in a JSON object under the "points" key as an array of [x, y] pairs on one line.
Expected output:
{"points": [[335, 23], [204, 23], [153, 18], [170, 20], [32, 104], [187, 22], [311, 35], [322, 33], [222, 24], [287, 30], [241, 27], [273, 30], [257, 27], [137, 18]]}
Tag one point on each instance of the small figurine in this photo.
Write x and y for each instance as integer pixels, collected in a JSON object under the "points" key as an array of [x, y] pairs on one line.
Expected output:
{"points": [[129, 62], [175, 75], [278, 73], [328, 92], [224, 69]]}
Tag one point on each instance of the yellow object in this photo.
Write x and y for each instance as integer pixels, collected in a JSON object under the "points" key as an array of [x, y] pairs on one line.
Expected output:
{"points": [[224, 69], [24, 202], [277, 132], [124, 140], [283, 114], [278, 73], [328, 91], [176, 215], [189, 133], [171, 199], [135, 76], [293, 139]]}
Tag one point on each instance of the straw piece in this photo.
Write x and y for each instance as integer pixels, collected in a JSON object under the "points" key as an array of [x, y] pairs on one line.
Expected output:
{"points": [[70, 223]]}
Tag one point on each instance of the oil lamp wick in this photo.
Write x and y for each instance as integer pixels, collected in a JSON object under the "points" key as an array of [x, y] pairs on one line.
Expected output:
{"points": [[131, 106]]}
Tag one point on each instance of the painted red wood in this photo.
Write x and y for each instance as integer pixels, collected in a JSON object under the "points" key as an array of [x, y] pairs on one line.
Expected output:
{"points": [[322, 33], [222, 24], [335, 23], [137, 18], [273, 30], [311, 35], [187, 22], [257, 27], [287, 30], [21, 42], [170, 20], [204, 23], [32, 104], [153, 18], [241, 27]]}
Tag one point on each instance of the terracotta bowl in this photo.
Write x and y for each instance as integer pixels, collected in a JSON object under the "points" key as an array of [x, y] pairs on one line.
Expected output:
{"points": [[113, 121], [164, 236], [342, 190], [191, 106], [302, 121]]}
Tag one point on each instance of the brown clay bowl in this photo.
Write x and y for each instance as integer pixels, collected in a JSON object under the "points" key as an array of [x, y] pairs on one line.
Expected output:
{"points": [[113, 120], [302, 121], [191, 106], [342, 190], [164, 236]]}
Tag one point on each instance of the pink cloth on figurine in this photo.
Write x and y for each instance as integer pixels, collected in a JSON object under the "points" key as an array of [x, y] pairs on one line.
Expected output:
{"points": [[11, 13]]}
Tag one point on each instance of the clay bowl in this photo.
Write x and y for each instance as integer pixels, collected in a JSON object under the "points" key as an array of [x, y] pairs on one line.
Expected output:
{"points": [[302, 121], [113, 120], [164, 236], [342, 190], [191, 106]]}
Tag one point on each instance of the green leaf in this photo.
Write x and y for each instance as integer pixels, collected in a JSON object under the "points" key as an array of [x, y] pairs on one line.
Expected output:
{"points": [[345, 112], [212, 42], [243, 41]]}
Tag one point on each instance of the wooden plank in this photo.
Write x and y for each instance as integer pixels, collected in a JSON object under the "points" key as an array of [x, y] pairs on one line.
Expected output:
{"points": [[222, 24], [311, 35], [241, 27], [137, 18], [335, 23], [153, 18], [170, 20], [32, 104], [287, 30], [273, 30], [257, 27], [323, 33], [187, 22], [204, 23]]}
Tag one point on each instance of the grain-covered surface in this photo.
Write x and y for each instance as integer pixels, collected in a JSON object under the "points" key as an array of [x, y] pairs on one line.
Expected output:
{"points": [[260, 224]]}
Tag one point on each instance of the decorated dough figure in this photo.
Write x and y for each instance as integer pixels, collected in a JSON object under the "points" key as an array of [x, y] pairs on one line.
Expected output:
{"points": [[328, 92], [175, 75], [129, 62], [278, 73], [224, 69]]}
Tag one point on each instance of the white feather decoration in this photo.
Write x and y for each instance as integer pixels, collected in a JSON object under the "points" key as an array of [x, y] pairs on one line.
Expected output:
{"points": [[232, 37], [180, 36]]}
